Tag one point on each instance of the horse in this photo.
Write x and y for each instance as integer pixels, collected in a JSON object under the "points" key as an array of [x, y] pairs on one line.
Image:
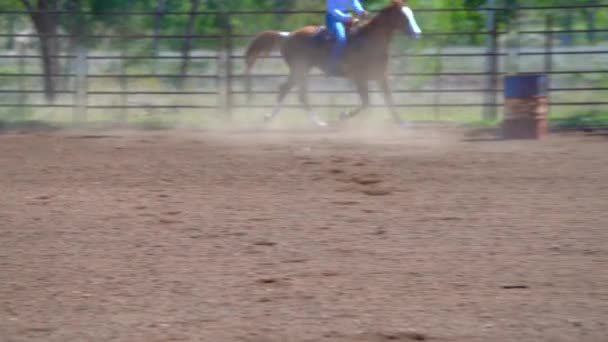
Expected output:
{"points": [[365, 58]]}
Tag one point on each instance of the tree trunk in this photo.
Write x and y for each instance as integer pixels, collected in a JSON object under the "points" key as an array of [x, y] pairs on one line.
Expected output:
{"points": [[76, 32], [187, 46], [158, 18], [10, 42], [46, 27], [160, 12]]}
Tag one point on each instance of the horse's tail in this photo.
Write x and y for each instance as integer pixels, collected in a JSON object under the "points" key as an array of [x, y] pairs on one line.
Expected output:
{"points": [[263, 43]]}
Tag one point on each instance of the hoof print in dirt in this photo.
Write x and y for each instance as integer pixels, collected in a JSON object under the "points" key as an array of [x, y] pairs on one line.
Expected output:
{"points": [[514, 287], [267, 281], [273, 281], [346, 203], [168, 221], [311, 162], [265, 243], [398, 336], [260, 219], [377, 192], [367, 180]]}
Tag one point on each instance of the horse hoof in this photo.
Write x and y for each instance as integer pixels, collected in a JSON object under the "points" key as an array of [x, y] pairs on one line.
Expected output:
{"points": [[317, 121], [320, 123]]}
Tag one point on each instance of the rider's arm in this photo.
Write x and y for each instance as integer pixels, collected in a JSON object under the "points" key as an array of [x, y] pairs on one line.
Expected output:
{"points": [[332, 8], [358, 8]]}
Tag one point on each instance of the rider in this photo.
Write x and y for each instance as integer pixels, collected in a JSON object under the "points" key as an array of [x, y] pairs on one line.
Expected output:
{"points": [[335, 18]]}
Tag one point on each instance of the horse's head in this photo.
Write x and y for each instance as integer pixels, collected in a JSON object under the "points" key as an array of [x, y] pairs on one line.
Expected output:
{"points": [[401, 17]]}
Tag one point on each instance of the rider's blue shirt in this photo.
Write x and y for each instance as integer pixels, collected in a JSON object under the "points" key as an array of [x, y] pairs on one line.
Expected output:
{"points": [[338, 8]]}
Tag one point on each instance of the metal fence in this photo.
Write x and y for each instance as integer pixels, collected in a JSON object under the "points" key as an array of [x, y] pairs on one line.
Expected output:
{"points": [[211, 80]]}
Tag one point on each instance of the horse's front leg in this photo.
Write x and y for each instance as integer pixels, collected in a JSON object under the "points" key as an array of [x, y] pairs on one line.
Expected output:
{"points": [[388, 99], [302, 80], [363, 90], [283, 91]]}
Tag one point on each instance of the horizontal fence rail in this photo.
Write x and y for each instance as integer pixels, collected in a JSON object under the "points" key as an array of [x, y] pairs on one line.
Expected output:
{"points": [[290, 12], [213, 79]]}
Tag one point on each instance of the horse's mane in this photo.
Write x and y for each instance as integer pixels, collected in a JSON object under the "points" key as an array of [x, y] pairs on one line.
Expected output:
{"points": [[381, 14]]}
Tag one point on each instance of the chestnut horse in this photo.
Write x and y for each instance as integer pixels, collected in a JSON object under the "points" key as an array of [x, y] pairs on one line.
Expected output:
{"points": [[365, 57]]}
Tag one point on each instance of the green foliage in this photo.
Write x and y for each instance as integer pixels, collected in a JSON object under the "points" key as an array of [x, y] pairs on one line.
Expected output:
{"points": [[100, 19], [591, 118]]}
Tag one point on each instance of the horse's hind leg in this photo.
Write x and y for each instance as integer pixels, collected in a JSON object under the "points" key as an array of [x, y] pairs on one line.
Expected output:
{"points": [[388, 98], [283, 91]]}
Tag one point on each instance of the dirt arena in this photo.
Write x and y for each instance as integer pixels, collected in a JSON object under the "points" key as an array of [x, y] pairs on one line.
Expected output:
{"points": [[276, 236]]}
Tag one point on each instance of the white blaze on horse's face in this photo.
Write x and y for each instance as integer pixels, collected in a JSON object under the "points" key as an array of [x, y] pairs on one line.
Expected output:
{"points": [[414, 29]]}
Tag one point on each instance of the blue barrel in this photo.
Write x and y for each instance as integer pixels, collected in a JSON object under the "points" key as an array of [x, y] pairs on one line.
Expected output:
{"points": [[525, 86], [526, 106]]}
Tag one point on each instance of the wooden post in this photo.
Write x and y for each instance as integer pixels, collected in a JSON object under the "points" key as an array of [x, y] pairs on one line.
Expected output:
{"points": [[217, 86], [80, 66], [229, 66], [512, 41], [81, 85], [158, 17], [124, 82], [438, 71], [549, 56], [490, 109], [22, 89], [187, 44]]}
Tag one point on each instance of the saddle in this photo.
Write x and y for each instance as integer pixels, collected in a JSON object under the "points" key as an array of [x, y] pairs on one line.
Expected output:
{"points": [[324, 36], [326, 40]]}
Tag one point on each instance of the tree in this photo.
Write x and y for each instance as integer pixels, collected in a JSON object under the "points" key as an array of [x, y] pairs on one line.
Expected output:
{"points": [[161, 7], [44, 18], [194, 4]]}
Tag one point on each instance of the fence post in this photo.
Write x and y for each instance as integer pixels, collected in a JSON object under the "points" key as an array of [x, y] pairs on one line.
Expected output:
{"points": [[159, 13], [187, 44], [79, 65], [438, 71], [490, 108], [22, 88], [514, 43], [124, 82], [229, 66], [548, 55], [81, 85]]}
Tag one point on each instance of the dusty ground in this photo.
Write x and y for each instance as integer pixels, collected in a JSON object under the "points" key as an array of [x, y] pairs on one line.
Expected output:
{"points": [[302, 237]]}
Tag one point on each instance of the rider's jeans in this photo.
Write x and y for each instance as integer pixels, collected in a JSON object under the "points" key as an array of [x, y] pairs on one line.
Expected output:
{"points": [[337, 28]]}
